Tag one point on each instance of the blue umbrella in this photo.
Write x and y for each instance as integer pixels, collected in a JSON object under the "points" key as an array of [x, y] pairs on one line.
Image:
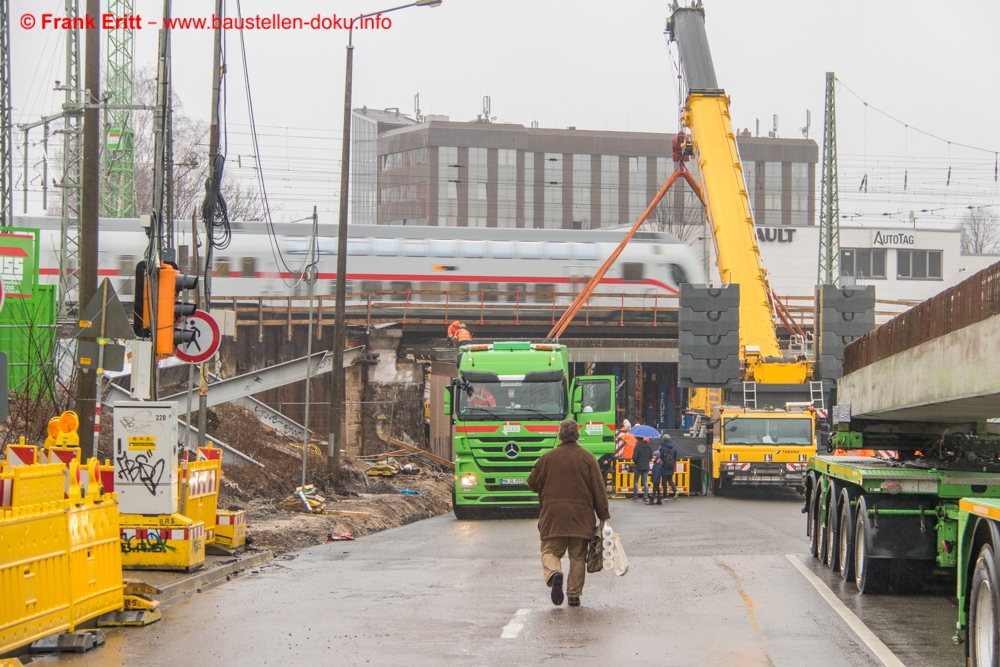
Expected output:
{"points": [[643, 431]]}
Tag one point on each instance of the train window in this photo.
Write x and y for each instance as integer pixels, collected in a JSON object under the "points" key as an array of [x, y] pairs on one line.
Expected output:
{"points": [[473, 248], [515, 292], [584, 250], [632, 272], [249, 267], [442, 248], [414, 248], [126, 265], [357, 246], [543, 293], [502, 249], [385, 247], [488, 292], [529, 249], [430, 291], [458, 292], [400, 290], [556, 250], [371, 286], [221, 267], [299, 246], [677, 274]]}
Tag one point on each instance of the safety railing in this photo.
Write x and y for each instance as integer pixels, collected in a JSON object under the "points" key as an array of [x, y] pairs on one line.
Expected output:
{"points": [[973, 300], [624, 477]]}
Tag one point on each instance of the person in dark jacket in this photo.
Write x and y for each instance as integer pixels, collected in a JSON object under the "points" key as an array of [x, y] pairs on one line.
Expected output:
{"points": [[641, 456], [570, 491], [667, 452], [655, 474]]}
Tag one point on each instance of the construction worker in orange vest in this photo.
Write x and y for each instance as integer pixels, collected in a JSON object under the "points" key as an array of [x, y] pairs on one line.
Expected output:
{"points": [[463, 335], [453, 329]]}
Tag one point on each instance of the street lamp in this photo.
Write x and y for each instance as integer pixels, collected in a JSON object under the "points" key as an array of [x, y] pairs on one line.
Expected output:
{"points": [[339, 326]]}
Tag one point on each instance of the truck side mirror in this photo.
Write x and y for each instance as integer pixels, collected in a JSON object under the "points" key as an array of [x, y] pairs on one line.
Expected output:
{"points": [[447, 400], [577, 399]]}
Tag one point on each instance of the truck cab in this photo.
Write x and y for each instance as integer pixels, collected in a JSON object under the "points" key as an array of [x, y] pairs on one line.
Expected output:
{"points": [[506, 405], [761, 446]]}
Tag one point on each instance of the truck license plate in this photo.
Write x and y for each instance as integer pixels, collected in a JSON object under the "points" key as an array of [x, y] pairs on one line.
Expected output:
{"points": [[508, 481]]}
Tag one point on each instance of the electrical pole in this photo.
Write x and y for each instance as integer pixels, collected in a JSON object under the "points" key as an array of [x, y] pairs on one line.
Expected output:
{"points": [[6, 126], [87, 398], [119, 157], [828, 272], [216, 162], [69, 249]]}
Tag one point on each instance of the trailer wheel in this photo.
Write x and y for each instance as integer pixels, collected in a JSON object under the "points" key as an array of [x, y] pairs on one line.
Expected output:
{"points": [[721, 486], [832, 520], [845, 539], [871, 575], [984, 614], [813, 528]]}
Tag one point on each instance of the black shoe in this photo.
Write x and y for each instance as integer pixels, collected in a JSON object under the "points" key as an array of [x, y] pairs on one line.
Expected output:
{"points": [[557, 591], [649, 502], [574, 602], [658, 502]]}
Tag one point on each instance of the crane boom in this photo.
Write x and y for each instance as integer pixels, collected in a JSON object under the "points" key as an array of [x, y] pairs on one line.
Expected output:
{"points": [[706, 116]]}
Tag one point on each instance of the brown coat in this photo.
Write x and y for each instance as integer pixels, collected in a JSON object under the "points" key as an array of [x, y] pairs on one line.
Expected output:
{"points": [[570, 490]]}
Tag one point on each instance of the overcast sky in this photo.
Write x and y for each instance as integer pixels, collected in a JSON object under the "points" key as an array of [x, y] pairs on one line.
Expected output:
{"points": [[595, 65]]}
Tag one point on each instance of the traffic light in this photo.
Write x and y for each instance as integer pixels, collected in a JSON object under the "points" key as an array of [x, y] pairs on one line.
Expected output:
{"points": [[171, 310]]}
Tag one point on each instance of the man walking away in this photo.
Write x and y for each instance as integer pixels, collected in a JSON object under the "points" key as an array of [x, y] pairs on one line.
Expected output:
{"points": [[668, 455], [640, 457], [570, 491]]}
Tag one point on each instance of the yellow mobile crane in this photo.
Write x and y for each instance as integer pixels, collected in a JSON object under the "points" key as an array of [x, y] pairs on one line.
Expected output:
{"points": [[752, 444]]}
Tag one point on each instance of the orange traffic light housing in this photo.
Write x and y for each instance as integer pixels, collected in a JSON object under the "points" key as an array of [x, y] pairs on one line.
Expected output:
{"points": [[171, 309]]}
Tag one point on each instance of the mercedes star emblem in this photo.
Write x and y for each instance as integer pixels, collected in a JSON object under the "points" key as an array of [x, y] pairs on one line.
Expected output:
{"points": [[511, 450]]}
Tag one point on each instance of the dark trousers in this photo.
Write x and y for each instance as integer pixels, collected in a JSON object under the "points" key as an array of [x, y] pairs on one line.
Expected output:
{"points": [[662, 483]]}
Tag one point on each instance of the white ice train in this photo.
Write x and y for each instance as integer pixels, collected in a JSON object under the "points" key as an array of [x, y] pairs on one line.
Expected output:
{"points": [[422, 265]]}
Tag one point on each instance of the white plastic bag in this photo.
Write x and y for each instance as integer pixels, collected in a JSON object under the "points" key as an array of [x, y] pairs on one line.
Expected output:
{"points": [[620, 559]]}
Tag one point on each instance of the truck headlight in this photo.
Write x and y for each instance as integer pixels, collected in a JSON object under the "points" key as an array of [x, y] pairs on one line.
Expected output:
{"points": [[468, 480]]}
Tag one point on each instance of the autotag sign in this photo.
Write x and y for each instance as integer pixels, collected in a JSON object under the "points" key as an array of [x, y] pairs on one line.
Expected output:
{"points": [[141, 443], [594, 428], [511, 428]]}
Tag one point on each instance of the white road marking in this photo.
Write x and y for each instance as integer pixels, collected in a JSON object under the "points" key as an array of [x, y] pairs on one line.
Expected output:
{"points": [[512, 629], [881, 651]]}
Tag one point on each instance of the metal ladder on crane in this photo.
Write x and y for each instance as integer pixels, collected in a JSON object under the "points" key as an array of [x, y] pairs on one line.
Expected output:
{"points": [[750, 395], [816, 395]]}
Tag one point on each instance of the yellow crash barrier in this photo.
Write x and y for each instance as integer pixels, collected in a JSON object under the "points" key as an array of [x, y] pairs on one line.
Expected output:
{"points": [[625, 478], [201, 493], [231, 529], [60, 562], [162, 542]]}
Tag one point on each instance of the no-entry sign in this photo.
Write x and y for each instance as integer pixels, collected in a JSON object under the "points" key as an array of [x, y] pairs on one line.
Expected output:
{"points": [[206, 338]]}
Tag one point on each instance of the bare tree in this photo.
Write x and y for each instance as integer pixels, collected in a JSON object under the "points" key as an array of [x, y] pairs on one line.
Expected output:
{"points": [[980, 232], [684, 219]]}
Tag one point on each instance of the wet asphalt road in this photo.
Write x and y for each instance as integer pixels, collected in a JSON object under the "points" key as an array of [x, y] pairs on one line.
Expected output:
{"points": [[710, 584]]}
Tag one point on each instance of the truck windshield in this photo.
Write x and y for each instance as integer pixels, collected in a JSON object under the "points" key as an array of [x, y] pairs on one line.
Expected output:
{"points": [[525, 401], [746, 430]]}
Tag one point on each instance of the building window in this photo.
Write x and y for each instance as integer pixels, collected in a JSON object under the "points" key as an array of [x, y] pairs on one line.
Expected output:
{"points": [[529, 189], [918, 264], [637, 199], [581, 191], [477, 176], [553, 191], [448, 176], [609, 191], [863, 263], [772, 193], [752, 176], [506, 187], [800, 193]]}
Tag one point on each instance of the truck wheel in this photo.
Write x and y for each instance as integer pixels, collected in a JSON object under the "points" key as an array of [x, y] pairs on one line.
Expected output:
{"points": [[832, 524], [870, 574], [845, 538], [984, 613], [719, 486]]}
